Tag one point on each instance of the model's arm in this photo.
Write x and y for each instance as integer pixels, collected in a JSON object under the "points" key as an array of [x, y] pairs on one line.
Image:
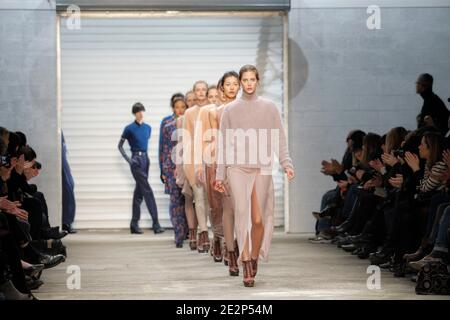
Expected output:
{"points": [[122, 151], [213, 122], [202, 125], [282, 151], [221, 147], [188, 136]]}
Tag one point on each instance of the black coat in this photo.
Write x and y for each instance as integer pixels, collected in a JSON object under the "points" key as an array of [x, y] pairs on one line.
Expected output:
{"points": [[434, 107]]}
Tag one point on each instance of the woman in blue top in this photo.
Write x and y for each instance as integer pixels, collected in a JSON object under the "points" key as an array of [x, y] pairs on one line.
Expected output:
{"points": [[138, 134]]}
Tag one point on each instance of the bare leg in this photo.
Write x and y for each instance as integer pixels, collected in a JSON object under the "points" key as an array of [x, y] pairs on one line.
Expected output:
{"points": [[245, 250], [257, 226], [190, 214], [228, 222]]}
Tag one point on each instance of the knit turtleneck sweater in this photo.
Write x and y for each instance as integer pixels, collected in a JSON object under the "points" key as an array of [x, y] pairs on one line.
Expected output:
{"points": [[251, 132]]}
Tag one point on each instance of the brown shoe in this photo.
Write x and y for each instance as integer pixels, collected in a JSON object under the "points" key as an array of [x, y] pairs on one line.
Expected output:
{"points": [[254, 267], [233, 268], [201, 243], [416, 256], [249, 281], [193, 239], [217, 250]]}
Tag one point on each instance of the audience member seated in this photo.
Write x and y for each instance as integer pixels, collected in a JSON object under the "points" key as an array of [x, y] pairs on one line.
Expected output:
{"points": [[391, 203], [28, 244]]}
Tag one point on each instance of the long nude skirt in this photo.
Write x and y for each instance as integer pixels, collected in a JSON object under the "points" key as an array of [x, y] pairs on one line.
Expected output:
{"points": [[215, 201], [241, 181], [201, 206], [228, 217]]}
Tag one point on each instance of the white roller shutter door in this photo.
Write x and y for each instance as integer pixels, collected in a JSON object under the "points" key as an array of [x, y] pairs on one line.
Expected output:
{"points": [[110, 63]]}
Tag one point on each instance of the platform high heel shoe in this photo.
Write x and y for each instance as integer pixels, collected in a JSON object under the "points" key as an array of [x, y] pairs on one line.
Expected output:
{"points": [[254, 267], [193, 239], [217, 250], [206, 243], [233, 268], [201, 243], [249, 280]]}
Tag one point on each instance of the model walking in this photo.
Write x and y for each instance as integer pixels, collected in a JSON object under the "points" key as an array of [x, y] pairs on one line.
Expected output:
{"points": [[249, 177], [221, 215], [200, 200]]}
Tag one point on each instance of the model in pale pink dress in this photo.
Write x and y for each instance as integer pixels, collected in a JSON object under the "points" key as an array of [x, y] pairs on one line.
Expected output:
{"points": [[221, 214], [240, 162]]}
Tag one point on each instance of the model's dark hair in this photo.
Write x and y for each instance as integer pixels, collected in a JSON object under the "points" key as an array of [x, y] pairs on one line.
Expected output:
{"points": [[225, 76], [175, 100], [176, 95], [248, 68], [137, 107]]}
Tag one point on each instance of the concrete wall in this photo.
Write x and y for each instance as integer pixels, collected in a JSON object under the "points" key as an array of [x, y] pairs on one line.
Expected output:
{"points": [[28, 86], [344, 76]]}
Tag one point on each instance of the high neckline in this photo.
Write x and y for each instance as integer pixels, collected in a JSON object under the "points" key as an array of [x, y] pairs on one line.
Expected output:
{"points": [[203, 105], [248, 97]]}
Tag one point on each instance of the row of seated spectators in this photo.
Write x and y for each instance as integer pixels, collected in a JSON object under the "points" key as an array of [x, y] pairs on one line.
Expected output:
{"points": [[28, 244], [391, 203]]}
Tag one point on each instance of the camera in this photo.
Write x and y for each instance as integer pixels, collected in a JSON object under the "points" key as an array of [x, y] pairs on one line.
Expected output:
{"points": [[399, 153], [5, 161], [368, 175], [352, 172]]}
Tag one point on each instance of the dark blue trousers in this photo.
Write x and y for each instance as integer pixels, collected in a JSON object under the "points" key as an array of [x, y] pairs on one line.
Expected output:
{"points": [[139, 168], [68, 196]]}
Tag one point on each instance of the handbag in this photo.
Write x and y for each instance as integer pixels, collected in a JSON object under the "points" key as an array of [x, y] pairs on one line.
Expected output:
{"points": [[433, 279]]}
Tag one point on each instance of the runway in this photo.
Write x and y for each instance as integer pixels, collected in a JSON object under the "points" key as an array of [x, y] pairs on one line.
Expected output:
{"points": [[117, 265]]}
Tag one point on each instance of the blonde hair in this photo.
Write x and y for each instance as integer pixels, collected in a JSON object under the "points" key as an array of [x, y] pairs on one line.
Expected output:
{"points": [[198, 82]]}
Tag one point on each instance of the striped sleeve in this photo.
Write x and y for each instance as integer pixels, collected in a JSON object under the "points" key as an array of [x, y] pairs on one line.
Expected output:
{"points": [[432, 179]]}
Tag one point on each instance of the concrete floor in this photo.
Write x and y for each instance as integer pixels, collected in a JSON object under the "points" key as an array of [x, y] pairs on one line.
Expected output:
{"points": [[117, 265]]}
